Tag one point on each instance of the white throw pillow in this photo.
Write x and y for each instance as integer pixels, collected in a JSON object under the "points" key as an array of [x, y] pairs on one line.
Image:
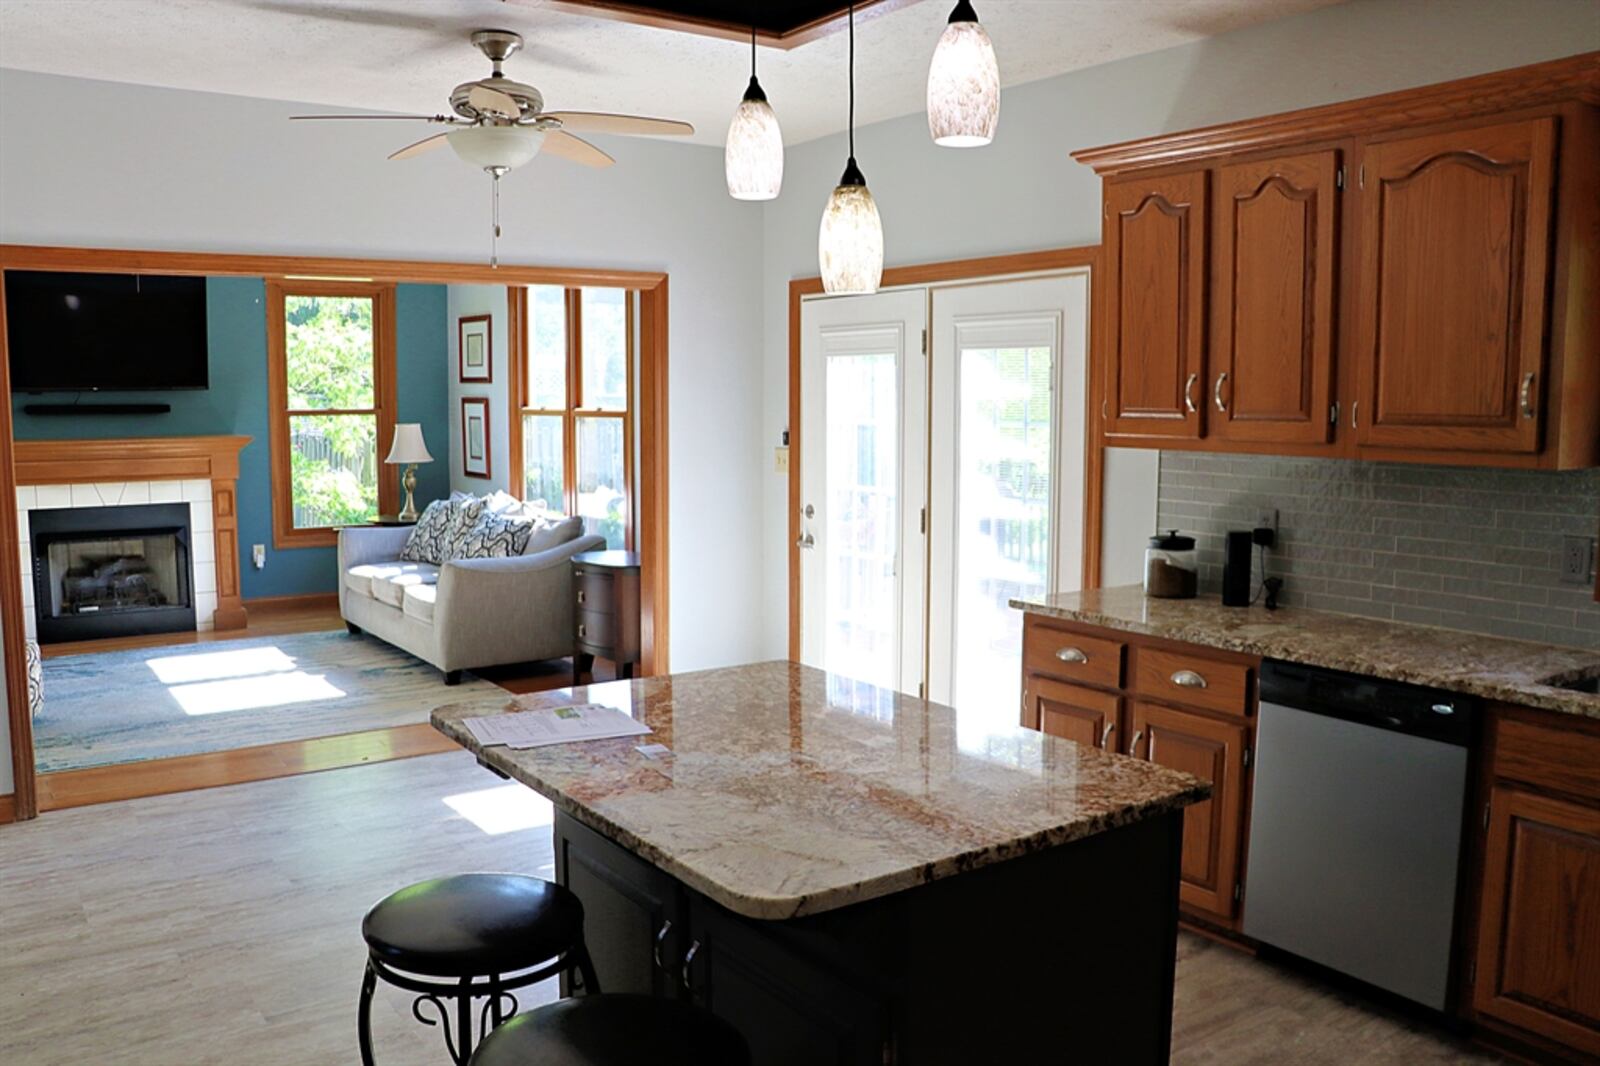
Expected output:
{"points": [[502, 503]]}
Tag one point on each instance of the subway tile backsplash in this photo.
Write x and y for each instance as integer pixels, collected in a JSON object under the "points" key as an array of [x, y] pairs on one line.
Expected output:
{"points": [[1475, 549]]}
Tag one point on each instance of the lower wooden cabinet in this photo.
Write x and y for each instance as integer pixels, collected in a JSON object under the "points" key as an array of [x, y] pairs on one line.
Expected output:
{"points": [[1538, 965], [1081, 715], [1212, 750]]}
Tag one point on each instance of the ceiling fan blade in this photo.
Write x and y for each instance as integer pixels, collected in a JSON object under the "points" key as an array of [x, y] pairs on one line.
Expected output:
{"points": [[405, 118], [487, 101], [576, 149], [427, 144], [630, 125]]}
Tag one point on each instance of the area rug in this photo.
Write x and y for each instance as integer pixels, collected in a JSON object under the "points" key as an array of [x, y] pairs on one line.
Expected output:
{"points": [[152, 703]]}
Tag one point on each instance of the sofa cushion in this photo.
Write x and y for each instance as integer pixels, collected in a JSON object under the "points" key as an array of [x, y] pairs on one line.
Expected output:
{"points": [[419, 600], [551, 530], [369, 578], [496, 537], [429, 541], [389, 588]]}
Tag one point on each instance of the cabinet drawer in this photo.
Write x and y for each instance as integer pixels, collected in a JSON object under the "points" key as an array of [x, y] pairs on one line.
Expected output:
{"points": [[1072, 656], [1193, 680], [594, 590], [596, 629], [1566, 760]]}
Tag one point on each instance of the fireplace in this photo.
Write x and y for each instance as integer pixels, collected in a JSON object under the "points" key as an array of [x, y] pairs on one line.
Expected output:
{"points": [[112, 571]]}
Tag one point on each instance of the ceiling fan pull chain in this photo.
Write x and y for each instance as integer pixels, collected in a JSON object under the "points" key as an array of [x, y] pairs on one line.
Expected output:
{"points": [[494, 209]]}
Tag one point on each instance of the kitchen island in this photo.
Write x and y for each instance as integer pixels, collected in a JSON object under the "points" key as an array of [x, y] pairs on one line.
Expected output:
{"points": [[850, 875]]}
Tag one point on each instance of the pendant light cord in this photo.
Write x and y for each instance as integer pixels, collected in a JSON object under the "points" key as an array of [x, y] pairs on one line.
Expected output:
{"points": [[852, 81], [752, 51]]}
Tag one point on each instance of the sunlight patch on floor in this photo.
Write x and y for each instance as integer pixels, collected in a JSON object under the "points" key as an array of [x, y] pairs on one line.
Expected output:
{"points": [[217, 665], [253, 693], [502, 809]]}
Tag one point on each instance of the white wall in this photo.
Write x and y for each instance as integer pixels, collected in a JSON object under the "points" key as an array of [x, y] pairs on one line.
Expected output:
{"points": [[1024, 192], [481, 300]]}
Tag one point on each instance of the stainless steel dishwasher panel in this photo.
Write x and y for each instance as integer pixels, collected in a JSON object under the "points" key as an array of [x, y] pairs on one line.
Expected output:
{"points": [[1355, 840]]}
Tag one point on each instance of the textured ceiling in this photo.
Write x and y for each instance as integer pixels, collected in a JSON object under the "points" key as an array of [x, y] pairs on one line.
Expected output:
{"points": [[406, 55]]}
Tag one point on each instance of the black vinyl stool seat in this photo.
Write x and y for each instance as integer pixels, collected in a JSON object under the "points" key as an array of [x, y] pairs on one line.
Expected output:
{"points": [[615, 1030], [467, 937]]}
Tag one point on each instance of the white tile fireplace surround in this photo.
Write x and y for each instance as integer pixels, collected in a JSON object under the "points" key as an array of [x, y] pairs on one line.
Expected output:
{"points": [[196, 493]]}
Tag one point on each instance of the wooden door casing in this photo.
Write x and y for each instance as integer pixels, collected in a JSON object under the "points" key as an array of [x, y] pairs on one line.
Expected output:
{"points": [[1214, 751], [1155, 313], [1275, 235], [1081, 715], [1455, 251], [1540, 918]]}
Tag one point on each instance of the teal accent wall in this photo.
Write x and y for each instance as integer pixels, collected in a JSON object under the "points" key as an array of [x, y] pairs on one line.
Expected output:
{"points": [[236, 402]]}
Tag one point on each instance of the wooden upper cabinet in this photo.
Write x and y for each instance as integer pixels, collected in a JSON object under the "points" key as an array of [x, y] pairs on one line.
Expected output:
{"points": [[1455, 252], [1155, 245], [1275, 235]]}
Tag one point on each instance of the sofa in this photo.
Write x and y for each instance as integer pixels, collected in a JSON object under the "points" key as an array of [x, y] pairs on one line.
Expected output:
{"points": [[463, 613]]}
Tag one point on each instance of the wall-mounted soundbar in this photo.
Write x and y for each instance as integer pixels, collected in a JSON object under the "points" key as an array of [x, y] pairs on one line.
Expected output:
{"points": [[97, 408]]}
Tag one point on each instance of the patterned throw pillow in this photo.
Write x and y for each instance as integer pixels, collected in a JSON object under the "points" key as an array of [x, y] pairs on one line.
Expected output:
{"points": [[464, 516], [495, 537], [429, 541]]}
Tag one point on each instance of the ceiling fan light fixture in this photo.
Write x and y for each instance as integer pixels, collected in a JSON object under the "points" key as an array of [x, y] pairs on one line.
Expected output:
{"points": [[754, 155], [850, 243], [963, 83], [496, 147]]}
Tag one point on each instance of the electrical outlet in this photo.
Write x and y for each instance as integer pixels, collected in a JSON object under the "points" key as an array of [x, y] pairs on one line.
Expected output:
{"points": [[1266, 529], [1577, 559], [258, 556]]}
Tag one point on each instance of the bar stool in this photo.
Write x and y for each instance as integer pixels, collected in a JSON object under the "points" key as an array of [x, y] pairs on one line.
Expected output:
{"points": [[615, 1030], [476, 936]]}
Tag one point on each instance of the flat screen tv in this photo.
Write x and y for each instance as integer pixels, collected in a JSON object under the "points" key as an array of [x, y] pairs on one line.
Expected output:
{"points": [[105, 332]]}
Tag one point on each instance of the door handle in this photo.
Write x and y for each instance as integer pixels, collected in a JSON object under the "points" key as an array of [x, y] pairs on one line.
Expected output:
{"points": [[1527, 395], [806, 540], [1216, 391], [1188, 679], [1188, 393], [1105, 734], [1071, 655]]}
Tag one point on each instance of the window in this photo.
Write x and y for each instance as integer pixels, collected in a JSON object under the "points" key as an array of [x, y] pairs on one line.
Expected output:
{"points": [[572, 405], [331, 376]]}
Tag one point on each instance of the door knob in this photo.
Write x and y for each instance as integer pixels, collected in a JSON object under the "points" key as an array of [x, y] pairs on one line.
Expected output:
{"points": [[806, 540]]}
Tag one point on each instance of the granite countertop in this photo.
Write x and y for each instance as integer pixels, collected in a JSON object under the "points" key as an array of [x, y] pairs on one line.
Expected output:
{"points": [[789, 791], [1496, 668]]}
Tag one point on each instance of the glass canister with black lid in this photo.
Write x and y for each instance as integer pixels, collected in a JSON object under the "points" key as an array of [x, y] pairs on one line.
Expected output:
{"points": [[1171, 567]]}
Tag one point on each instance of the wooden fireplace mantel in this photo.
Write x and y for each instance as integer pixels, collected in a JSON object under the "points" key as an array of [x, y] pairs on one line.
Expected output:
{"points": [[213, 459]]}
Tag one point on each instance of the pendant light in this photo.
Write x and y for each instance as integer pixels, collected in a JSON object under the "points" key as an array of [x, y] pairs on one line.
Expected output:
{"points": [[754, 155], [963, 83], [850, 246]]}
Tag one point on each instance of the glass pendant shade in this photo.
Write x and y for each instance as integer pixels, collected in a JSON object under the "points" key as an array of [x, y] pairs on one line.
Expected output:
{"points": [[963, 84], [850, 246], [754, 155], [505, 147]]}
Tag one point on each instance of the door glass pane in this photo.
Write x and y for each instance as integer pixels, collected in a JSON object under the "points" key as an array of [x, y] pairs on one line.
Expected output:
{"points": [[860, 539], [602, 490], [1003, 471], [333, 463], [328, 342], [542, 468], [605, 349], [547, 347]]}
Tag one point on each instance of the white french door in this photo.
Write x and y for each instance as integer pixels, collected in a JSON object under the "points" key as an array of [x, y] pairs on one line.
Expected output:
{"points": [[1006, 481], [863, 484]]}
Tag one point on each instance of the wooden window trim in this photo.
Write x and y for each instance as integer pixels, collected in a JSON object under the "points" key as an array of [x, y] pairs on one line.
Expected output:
{"points": [[284, 534], [519, 408]]}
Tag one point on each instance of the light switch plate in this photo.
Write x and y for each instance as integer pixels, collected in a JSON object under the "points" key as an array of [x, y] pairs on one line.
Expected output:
{"points": [[258, 556], [780, 462]]}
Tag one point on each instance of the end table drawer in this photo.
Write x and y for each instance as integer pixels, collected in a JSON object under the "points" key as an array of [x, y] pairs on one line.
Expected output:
{"points": [[595, 591], [596, 628]]}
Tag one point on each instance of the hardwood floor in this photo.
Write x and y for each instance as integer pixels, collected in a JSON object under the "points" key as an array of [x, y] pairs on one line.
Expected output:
{"points": [[222, 927]]}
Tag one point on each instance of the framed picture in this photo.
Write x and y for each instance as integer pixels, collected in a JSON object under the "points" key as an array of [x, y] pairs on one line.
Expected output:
{"points": [[475, 348], [475, 436]]}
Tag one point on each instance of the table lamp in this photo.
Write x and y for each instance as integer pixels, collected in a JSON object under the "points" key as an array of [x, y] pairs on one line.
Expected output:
{"points": [[409, 448]]}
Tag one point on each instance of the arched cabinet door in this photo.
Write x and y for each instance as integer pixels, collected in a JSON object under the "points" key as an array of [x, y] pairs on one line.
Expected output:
{"points": [[1273, 255], [1154, 310], [1455, 252]]}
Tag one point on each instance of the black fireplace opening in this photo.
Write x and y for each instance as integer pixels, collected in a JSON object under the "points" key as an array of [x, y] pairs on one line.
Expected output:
{"points": [[112, 571]]}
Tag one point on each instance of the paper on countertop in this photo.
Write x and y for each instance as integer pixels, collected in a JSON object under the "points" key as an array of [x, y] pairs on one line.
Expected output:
{"points": [[553, 725]]}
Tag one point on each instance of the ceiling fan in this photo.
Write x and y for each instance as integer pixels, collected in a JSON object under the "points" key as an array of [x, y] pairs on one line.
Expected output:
{"points": [[499, 124]]}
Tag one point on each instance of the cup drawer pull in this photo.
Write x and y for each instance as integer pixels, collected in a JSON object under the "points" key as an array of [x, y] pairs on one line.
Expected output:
{"points": [[1188, 679], [1071, 655]]}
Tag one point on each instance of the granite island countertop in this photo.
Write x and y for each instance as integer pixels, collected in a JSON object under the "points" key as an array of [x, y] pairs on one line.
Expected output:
{"points": [[1496, 668], [789, 791]]}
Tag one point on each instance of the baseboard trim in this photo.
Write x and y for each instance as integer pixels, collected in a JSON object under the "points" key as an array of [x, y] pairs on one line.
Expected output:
{"points": [[307, 600], [183, 773], [8, 808]]}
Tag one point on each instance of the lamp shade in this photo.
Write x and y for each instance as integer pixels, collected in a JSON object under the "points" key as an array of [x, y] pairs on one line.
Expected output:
{"points": [[505, 147], [850, 245], [963, 84], [754, 155], [409, 446]]}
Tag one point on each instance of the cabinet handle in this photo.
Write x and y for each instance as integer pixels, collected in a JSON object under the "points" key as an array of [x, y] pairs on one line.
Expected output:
{"points": [[582, 630], [1216, 391], [1355, 407], [1133, 745], [1071, 655], [1527, 395], [1188, 393], [688, 961], [661, 936], [1188, 679], [580, 596], [1333, 413], [1105, 734]]}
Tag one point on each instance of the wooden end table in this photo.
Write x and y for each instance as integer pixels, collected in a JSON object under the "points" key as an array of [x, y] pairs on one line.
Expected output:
{"points": [[606, 584]]}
